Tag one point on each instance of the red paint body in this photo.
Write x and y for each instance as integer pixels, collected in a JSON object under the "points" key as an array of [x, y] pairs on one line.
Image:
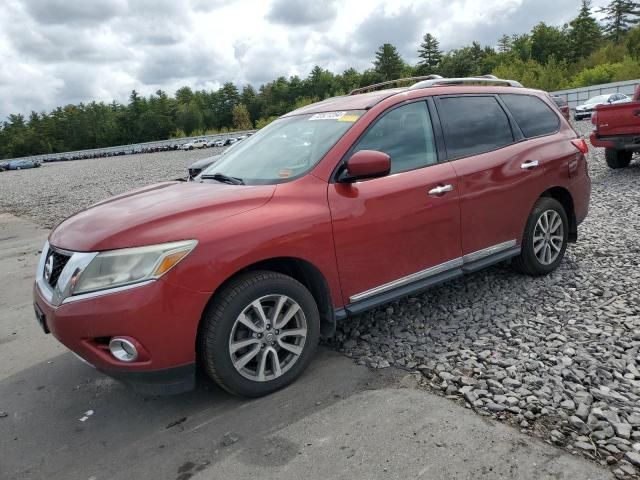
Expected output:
{"points": [[357, 235], [617, 126]]}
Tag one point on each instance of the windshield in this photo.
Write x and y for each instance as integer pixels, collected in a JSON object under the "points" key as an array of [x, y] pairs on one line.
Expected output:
{"points": [[285, 149], [598, 99]]}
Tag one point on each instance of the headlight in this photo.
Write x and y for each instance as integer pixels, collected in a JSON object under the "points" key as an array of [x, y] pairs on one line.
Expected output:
{"points": [[117, 268]]}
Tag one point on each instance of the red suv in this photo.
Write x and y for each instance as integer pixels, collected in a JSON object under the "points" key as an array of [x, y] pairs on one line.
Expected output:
{"points": [[333, 209]]}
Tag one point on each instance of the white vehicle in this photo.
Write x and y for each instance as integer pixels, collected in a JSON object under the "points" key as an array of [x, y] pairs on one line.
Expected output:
{"points": [[199, 143], [586, 109]]}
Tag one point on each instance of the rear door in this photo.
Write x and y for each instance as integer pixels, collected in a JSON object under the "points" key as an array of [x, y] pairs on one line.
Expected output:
{"points": [[500, 174], [394, 231]]}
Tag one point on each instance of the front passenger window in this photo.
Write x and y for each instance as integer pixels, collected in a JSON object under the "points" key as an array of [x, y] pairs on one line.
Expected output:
{"points": [[406, 135]]}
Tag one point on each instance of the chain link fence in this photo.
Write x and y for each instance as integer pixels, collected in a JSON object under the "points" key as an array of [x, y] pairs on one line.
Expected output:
{"points": [[577, 96]]}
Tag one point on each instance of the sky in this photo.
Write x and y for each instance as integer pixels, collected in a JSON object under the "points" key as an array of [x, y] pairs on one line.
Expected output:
{"points": [[56, 52]]}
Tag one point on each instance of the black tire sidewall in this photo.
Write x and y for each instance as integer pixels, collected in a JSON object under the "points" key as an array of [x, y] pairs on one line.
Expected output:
{"points": [[542, 205], [216, 352]]}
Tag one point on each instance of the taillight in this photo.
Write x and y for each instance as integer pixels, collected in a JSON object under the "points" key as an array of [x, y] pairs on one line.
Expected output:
{"points": [[581, 145], [594, 118]]}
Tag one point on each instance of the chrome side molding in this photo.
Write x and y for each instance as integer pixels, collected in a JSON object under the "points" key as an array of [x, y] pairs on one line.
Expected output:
{"points": [[435, 270]]}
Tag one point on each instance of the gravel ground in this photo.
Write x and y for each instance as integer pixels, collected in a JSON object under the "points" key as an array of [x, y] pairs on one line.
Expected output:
{"points": [[54, 191], [558, 356]]}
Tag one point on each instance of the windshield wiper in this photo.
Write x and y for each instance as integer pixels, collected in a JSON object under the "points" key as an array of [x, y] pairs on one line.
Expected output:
{"points": [[221, 177]]}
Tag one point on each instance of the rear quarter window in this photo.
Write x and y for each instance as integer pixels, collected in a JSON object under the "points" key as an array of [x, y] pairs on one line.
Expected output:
{"points": [[534, 116], [473, 125]]}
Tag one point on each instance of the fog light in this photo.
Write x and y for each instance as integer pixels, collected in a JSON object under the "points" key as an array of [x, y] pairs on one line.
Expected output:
{"points": [[123, 349]]}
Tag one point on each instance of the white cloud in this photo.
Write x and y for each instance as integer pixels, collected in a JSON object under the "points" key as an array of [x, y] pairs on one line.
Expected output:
{"points": [[56, 52]]}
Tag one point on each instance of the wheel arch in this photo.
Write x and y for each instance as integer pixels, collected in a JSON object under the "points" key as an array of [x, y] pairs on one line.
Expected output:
{"points": [[563, 196], [301, 270]]}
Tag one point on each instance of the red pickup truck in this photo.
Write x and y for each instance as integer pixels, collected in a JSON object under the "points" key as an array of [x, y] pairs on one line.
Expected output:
{"points": [[617, 129]]}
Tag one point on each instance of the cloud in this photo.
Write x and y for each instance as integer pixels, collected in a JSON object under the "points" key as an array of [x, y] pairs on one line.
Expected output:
{"points": [[55, 12], [56, 52], [298, 13]]}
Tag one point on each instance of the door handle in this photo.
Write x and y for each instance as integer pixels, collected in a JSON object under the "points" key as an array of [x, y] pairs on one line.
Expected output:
{"points": [[529, 164], [440, 190]]}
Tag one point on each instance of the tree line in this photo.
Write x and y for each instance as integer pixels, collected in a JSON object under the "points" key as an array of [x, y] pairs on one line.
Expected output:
{"points": [[580, 53]]}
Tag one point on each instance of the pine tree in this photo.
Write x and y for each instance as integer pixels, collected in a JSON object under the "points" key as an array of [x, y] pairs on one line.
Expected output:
{"points": [[241, 119], [388, 63], [504, 44], [429, 52], [585, 34], [620, 16]]}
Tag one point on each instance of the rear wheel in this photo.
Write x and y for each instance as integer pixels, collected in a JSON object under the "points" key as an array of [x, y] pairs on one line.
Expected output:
{"points": [[259, 334], [617, 158], [545, 238]]}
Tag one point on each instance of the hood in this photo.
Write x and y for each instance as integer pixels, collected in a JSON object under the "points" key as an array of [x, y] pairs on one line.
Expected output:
{"points": [[158, 213]]}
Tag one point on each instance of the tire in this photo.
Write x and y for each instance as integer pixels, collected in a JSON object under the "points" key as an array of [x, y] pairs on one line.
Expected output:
{"points": [[222, 325], [190, 148], [617, 158], [532, 262], [576, 118]]}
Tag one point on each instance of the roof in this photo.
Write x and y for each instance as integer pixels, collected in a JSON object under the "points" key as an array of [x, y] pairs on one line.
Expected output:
{"points": [[364, 101], [347, 102]]}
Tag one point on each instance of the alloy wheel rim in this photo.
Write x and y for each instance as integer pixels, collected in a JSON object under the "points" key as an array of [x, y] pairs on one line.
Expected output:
{"points": [[548, 237], [268, 338]]}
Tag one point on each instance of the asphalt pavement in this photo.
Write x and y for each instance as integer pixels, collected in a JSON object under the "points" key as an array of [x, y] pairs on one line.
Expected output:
{"points": [[60, 419]]}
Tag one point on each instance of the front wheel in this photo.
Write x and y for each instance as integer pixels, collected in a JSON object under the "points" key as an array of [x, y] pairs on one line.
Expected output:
{"points": [[259, 334], [545, 238], [617, 158]]}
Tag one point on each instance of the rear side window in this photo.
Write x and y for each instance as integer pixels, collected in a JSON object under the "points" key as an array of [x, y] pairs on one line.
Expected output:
{"points": [[534, 117], [473, 125]]}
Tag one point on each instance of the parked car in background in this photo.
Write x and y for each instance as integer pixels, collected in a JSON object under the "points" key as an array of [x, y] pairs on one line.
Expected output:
{"points": [[617, 130], [563, 106], [199, 143], [20, 164], [197, 167], [586, 109], [230, 141], [330, 210]]}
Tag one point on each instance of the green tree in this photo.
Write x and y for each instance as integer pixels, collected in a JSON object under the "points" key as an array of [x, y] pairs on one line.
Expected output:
{"points": [[241, 119], [388, 63], [585, 34], [189, 117], [632, 43], [504, 44], [547, 41], [429, 53], [620, 16]]}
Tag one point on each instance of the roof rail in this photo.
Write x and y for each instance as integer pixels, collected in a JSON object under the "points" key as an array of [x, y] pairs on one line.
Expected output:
{"points": [[370, 88], [488, 79]]}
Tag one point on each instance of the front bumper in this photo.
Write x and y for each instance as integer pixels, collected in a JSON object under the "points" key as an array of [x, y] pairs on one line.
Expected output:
{"points": [[163, 318]]}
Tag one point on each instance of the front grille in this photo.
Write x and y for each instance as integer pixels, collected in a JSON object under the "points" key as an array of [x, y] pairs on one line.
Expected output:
{"points": [[54, 265]]}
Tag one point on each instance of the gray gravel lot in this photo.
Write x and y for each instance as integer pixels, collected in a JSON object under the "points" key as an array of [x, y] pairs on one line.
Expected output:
{"points": [[558, 356], [54, 191]]}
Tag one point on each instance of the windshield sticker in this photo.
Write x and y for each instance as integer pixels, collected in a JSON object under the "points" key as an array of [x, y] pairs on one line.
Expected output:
{"points": [[285, 173], [349, 118], [328, 116]]}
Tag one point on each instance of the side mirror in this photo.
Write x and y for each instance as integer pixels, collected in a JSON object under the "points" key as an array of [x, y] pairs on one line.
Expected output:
{"points": [[366, 164]]}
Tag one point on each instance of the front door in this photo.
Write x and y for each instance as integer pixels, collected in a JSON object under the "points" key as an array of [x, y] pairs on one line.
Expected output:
{"points": [[396, 230]]}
